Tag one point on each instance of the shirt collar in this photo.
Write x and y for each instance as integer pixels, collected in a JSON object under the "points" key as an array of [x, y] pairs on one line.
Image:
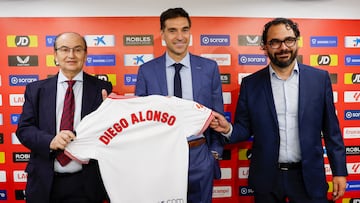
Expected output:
{"points": [[295, 70], [62, 78], [185, 61]]}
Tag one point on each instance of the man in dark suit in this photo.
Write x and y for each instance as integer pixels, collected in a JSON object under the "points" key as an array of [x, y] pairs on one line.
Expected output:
{"points": [[200, 81], [288, 108], [39, 129]]}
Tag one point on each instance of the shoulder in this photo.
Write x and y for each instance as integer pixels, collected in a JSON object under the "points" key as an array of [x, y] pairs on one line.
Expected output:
{"points": [[203, 60], [42, 83], [306, 69]]}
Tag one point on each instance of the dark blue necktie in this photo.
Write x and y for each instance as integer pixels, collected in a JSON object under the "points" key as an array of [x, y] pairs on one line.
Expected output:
{"points": [[177, 80]]}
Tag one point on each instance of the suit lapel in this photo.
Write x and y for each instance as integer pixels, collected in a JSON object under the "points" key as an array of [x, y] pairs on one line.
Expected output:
{"points": [[303, 76], [160, 73], [89, 95], [196, 75], [268, 93], [49, 94]]}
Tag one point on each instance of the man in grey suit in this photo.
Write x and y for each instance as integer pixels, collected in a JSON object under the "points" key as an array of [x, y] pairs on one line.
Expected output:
{"points": [[39, 128], [288, 108], [200, 81]]}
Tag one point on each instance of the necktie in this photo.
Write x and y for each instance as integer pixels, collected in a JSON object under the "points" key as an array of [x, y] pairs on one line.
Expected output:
{"points": [[67, 119], [177, 80]]}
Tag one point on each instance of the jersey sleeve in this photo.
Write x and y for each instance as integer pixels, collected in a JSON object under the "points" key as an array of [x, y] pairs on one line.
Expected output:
{"points": [[85, 145], [196, 117]]}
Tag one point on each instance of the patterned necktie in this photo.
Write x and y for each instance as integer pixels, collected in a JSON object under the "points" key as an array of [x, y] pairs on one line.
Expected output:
{"points": [[67, 119], [177, 80]]}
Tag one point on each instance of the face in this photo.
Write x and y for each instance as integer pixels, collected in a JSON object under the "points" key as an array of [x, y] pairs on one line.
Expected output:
{"points": [[70, 53], [176, 34], [285, 55]]}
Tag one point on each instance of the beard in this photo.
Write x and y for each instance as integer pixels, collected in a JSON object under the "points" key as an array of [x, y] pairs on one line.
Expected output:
{"points": [[283, 64]]}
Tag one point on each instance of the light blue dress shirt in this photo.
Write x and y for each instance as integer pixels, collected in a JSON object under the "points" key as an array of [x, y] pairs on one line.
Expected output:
{"points": [[286, 98]]}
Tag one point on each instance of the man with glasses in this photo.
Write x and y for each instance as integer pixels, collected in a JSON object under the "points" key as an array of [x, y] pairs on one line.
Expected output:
{"points": [[51, 111], [288, 109]]}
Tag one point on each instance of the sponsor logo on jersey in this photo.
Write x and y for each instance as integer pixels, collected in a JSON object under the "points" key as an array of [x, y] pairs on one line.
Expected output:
{"points": [[215, 40], [352, 41], [324, 60], [23, 60], [351, 78], [323, 41], [252, 59], [22, 80], [221, 59], [352, 114], [22, 41], [137, 59], [352, 60], [138, 40], [21, 157], [100, 60], [100, 40], [249, 40]]}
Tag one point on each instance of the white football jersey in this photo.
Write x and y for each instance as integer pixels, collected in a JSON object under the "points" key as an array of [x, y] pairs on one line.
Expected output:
{"points": [[140, 144]]}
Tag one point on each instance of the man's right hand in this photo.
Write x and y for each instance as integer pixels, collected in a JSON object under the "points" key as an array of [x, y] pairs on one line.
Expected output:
{"points": [[62, 139], [219, 123]]}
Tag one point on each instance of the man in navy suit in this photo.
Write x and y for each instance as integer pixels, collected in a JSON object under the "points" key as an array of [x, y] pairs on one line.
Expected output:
{"points": [[200, 81], [288, 108], [39, 129]]}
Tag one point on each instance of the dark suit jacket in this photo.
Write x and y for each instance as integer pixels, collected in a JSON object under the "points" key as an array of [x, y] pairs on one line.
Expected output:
{"points": [[206, 83], [37, 127], [256, 115]]}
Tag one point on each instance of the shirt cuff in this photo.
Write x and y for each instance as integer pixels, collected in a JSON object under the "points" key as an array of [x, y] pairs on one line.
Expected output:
{"points": [[228, 135]]}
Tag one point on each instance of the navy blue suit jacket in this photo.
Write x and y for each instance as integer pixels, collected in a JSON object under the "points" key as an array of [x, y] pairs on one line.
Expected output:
{"points": [[256, 116], [37, 127], [206, 83]]}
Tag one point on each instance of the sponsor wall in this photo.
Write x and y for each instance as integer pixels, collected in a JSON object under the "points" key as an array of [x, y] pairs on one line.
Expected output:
{"points": [[118, 45]]}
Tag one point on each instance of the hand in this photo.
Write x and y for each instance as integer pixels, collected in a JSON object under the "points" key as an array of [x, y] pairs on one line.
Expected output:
{"points": [[62, 139], [219, 123], [339, 183], [104, 94]]}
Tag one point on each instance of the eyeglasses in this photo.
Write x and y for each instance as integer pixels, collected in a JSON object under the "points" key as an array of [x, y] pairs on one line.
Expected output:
{"points": [[276, 43], [66, 50]]}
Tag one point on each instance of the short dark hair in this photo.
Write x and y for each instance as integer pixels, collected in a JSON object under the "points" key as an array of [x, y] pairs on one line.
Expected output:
{"points": [[289, 23], [173, 13], [59, 35]]}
